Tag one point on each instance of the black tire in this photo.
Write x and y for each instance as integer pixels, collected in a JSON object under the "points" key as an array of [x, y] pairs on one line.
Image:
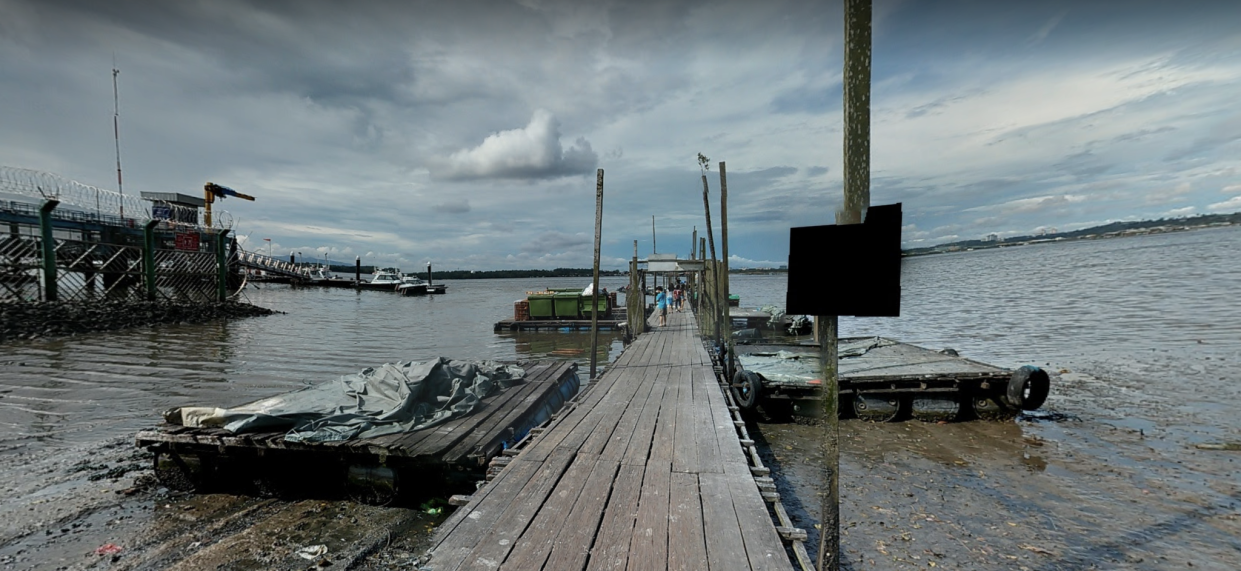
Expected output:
{"points": [[889, 408], [985, 408], [747, 389], [1028, 388]]}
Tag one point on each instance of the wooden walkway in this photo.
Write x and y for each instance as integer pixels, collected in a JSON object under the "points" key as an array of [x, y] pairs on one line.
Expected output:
{"points": [[646, 471]]}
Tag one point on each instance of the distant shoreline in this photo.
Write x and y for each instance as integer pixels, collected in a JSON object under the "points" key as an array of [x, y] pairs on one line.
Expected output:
{"points": [[1106, 231]]}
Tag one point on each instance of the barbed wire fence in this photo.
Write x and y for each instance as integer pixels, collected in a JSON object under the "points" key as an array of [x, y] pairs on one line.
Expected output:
{"points": [[102, 203]]}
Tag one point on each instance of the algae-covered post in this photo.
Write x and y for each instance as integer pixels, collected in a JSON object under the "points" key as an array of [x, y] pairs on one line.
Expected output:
{"points": [[856, 199], [726, 323], [594, 288]]}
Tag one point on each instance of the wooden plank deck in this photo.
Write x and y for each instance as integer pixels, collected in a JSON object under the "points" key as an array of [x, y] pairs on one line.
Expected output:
{"points": [[646, 471]]}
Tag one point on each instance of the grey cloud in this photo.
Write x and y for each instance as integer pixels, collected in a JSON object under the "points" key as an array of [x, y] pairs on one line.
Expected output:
{"points": [[816, 171], [455, 206], [551, 242], [1084, 164]]}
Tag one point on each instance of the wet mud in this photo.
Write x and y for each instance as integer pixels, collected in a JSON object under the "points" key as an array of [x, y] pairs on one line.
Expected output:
{"points": [[1075, 486], [102, 508]]}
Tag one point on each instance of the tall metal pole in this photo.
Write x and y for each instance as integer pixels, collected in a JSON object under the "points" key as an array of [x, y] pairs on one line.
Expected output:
{"points": [[856, 201], [116, 133], [594, 292]]}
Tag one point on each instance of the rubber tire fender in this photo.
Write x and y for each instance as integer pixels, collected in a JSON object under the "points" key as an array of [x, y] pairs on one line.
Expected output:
{"points": [[752, 384], [1032, 379]]}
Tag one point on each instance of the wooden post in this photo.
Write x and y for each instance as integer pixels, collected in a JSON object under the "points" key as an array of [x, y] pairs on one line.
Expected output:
{"points": [[357, 270], [702, 255], [594, 293], [653, 250], [856, 201], [726, 322]]}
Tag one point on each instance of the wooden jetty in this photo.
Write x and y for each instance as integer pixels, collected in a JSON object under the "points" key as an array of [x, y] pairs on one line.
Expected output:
{"points": [[465, 443], [647, 469], [557, 325]]}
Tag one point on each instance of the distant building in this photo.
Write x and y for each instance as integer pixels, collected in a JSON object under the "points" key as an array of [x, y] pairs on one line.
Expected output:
{"points": [[993, 237]]}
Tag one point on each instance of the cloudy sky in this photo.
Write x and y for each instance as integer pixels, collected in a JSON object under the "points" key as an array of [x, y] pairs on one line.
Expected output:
{"points": [[469, 133]]}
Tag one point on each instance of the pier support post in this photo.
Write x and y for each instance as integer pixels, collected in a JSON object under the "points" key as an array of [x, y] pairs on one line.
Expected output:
{"points": [[726, 325], [594, 292], [148, 258], [48, 252], [856, 200]]}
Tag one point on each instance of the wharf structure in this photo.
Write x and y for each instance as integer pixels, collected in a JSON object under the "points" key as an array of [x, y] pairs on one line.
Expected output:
{"points": [[650, 468]]}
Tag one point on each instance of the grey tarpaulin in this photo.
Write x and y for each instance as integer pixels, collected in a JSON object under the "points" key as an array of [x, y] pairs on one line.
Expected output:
{"points": [[787, 366], [377, 401]]}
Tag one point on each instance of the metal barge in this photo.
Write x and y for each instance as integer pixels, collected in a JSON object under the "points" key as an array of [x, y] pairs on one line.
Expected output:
{"points": [[377, 469], [884, 380]]}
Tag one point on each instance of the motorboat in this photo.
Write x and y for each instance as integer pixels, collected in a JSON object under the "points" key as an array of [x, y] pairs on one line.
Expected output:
{"points": [[385, 279], [412, 285]]}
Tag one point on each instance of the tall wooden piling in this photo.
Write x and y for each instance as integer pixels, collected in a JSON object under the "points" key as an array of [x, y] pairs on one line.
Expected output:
{"points": [[725, 322], [594, 293], [856, 201]]}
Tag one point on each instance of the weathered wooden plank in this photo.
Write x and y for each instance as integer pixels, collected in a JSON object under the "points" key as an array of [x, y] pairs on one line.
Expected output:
{"points": [[725, 550], [495, 545], [624, 431], [476, 518], [763, 546], [495, 429], [687, 549], [706, 440], [639, 447], [611, 548], [577, 537], [648, 548], [684, 446], [665, 425], [531, 549]]}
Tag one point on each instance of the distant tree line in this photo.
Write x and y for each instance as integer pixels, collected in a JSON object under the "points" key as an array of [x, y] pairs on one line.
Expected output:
{"points": [[489, 274]]}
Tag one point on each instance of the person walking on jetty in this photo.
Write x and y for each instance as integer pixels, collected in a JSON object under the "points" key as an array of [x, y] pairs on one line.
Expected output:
{"points": [[661, 305]]}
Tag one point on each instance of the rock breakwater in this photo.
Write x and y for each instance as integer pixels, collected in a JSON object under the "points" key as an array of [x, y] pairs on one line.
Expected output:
{"points": [[32, 320]]}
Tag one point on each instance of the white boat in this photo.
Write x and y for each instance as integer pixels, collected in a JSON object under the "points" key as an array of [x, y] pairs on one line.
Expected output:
{"points": [[386, 279], [412, 285]]}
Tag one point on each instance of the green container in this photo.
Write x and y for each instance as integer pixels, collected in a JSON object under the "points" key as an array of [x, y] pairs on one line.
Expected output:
{"points": [[541, 306], [585, 305], [567, 304]]}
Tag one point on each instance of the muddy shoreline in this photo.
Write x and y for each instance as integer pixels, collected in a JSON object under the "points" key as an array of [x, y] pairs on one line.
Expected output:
{"points": [[1065, 489], [40, 319]]}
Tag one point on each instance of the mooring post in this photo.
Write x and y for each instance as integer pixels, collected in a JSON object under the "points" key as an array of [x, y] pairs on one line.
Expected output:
{"points": [[221, 261], [594, 292], [856, 199], [148, 258], [702, 276], [48, 252], [726, 326], [430, 281], [357, 270]]}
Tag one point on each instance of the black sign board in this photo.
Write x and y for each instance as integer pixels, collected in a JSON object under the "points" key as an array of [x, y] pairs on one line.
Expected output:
{"points": [[853, 269]]}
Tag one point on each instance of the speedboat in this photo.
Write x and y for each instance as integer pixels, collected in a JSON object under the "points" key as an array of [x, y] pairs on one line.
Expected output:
{"points": [[411, 285], [385, 279]]}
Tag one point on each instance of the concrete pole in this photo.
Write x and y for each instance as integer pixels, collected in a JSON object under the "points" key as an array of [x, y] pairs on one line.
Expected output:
{"points": [[856, 201], [594, 294]]}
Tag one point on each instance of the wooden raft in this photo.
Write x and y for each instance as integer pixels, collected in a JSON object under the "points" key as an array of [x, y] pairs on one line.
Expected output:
{"points": [[467, 442], [556, 324], [645, 471]]}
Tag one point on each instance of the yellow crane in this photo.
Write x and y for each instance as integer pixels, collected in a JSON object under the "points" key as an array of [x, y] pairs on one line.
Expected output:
{"points": [[211, 190]]}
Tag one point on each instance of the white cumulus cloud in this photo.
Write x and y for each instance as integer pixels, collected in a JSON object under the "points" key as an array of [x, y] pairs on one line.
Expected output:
{"points": [[532, 152]]}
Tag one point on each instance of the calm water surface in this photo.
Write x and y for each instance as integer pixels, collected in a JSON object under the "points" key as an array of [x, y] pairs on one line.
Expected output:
{"points": [[1154, 317]]}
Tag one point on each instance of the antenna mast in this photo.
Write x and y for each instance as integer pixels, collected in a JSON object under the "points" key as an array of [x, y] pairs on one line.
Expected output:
{"points": [[116, 132]]}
